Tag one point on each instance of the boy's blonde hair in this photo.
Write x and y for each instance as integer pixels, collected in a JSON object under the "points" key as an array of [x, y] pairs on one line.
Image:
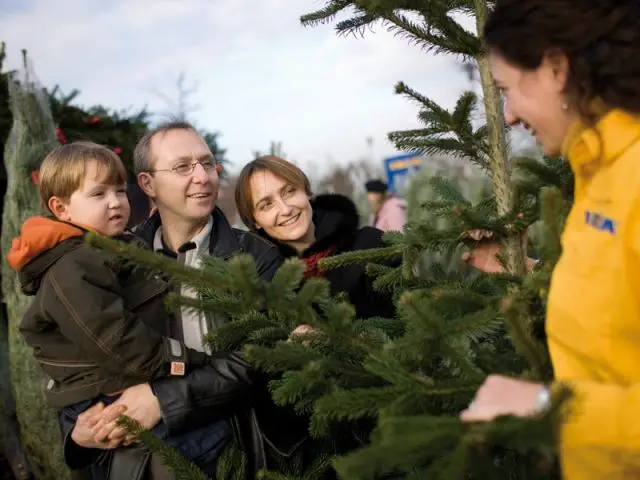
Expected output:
{"points": [[63, 170]]}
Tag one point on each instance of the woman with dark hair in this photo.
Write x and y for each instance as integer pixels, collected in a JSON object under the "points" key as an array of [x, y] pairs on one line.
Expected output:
{"points": [[274, 199], [570, 73]]}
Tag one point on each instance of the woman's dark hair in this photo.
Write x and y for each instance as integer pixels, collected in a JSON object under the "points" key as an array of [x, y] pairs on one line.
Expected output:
{"points": [[601, 39]]}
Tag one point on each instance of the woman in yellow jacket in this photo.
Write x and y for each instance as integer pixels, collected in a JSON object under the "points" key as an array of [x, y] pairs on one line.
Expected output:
{"points": [[570, 73]]}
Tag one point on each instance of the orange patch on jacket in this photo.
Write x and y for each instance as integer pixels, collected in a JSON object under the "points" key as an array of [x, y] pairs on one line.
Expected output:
{"points": [[39, 234]]}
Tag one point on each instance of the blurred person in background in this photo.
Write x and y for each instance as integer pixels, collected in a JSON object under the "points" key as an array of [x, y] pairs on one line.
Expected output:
{"points": [[388, 212]]}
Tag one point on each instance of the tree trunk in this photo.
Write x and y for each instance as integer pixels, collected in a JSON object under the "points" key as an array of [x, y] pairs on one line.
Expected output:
{"points": [[499, 165]]}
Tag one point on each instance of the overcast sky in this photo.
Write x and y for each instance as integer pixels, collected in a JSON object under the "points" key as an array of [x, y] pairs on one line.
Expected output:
{"points": [[261, 76]]}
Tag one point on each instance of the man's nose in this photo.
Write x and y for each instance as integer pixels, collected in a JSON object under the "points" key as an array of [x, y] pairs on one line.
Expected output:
{"points": [[200, 175]]}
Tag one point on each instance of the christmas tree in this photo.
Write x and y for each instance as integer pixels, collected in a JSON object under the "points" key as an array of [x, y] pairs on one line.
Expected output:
{"points": [[412, 374], [32, 136]]}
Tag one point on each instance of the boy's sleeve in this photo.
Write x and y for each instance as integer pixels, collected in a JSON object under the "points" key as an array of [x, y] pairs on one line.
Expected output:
{"points": [[88, 307]]}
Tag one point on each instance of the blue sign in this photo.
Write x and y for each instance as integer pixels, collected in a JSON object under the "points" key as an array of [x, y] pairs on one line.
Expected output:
{"points": [[399, 169]]}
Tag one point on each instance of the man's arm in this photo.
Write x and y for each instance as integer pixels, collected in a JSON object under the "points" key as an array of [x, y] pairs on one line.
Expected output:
{"points": [[266, 255], [89, 309], [269, 263], [207, 394]]}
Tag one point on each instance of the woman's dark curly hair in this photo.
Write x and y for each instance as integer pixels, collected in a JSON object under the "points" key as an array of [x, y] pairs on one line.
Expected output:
{"points": [[601, 39]]}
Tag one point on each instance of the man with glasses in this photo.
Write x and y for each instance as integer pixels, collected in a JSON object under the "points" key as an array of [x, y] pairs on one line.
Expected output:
{"points": [[178, 172]]}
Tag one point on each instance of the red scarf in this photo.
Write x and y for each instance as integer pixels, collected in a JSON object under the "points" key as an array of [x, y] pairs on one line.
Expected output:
{"points": [[312, 269]]}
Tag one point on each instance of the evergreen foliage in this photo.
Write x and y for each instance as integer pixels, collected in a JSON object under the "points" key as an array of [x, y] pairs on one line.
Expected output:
{"points": [[118, 130], [181, 468]]}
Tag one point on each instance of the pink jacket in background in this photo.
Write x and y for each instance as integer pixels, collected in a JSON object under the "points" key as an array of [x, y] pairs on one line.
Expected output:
{"points": [[392, 216]]}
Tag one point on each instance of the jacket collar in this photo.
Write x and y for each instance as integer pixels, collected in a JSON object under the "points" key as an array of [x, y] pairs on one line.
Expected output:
{"points": [[590, 148], [222, 241]]}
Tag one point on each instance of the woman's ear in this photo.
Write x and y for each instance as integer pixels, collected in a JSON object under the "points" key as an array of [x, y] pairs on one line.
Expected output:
{"points": [[558, 64]]}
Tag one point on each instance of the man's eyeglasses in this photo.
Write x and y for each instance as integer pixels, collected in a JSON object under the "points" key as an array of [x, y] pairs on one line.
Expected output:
{"points": [[187, 168]]}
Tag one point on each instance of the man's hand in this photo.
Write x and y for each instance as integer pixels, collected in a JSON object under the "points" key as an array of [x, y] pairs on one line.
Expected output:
{"points": [[140, 404], [499, 396], [83, 433]]}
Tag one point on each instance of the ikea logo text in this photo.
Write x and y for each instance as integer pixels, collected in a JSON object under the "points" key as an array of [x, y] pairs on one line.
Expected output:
{"points": [[600, 222]]}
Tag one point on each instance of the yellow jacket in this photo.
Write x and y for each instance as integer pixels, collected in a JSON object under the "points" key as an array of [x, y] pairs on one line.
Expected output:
{"points": [[593, 319]]}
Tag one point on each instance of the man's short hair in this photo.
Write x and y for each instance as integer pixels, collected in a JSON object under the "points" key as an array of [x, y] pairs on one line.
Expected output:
{"points": [[63, 170], [376, 186], [142, 153]]}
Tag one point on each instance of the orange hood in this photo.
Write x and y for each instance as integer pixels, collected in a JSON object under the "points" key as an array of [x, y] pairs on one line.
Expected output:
{"points": [[39, 234]]}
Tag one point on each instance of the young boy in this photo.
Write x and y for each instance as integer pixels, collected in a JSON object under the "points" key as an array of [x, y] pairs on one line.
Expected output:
{"points": [[90, 324]]}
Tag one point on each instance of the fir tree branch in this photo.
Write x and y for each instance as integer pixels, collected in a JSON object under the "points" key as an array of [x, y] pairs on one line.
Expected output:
{"points": [[476, 325], [445, 133], [281, 357], [220, 303], [171, 458], [423, 438], [360, 256], [447, 191], [438, 34], [326, 14], [212, 278], [518, 323], [554, 211]]}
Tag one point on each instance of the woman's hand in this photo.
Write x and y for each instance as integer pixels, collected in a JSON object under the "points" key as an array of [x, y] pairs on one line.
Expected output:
{"points": [[484, 256], [83, 431], [499, 396], [139, 403], [301, 330]]}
